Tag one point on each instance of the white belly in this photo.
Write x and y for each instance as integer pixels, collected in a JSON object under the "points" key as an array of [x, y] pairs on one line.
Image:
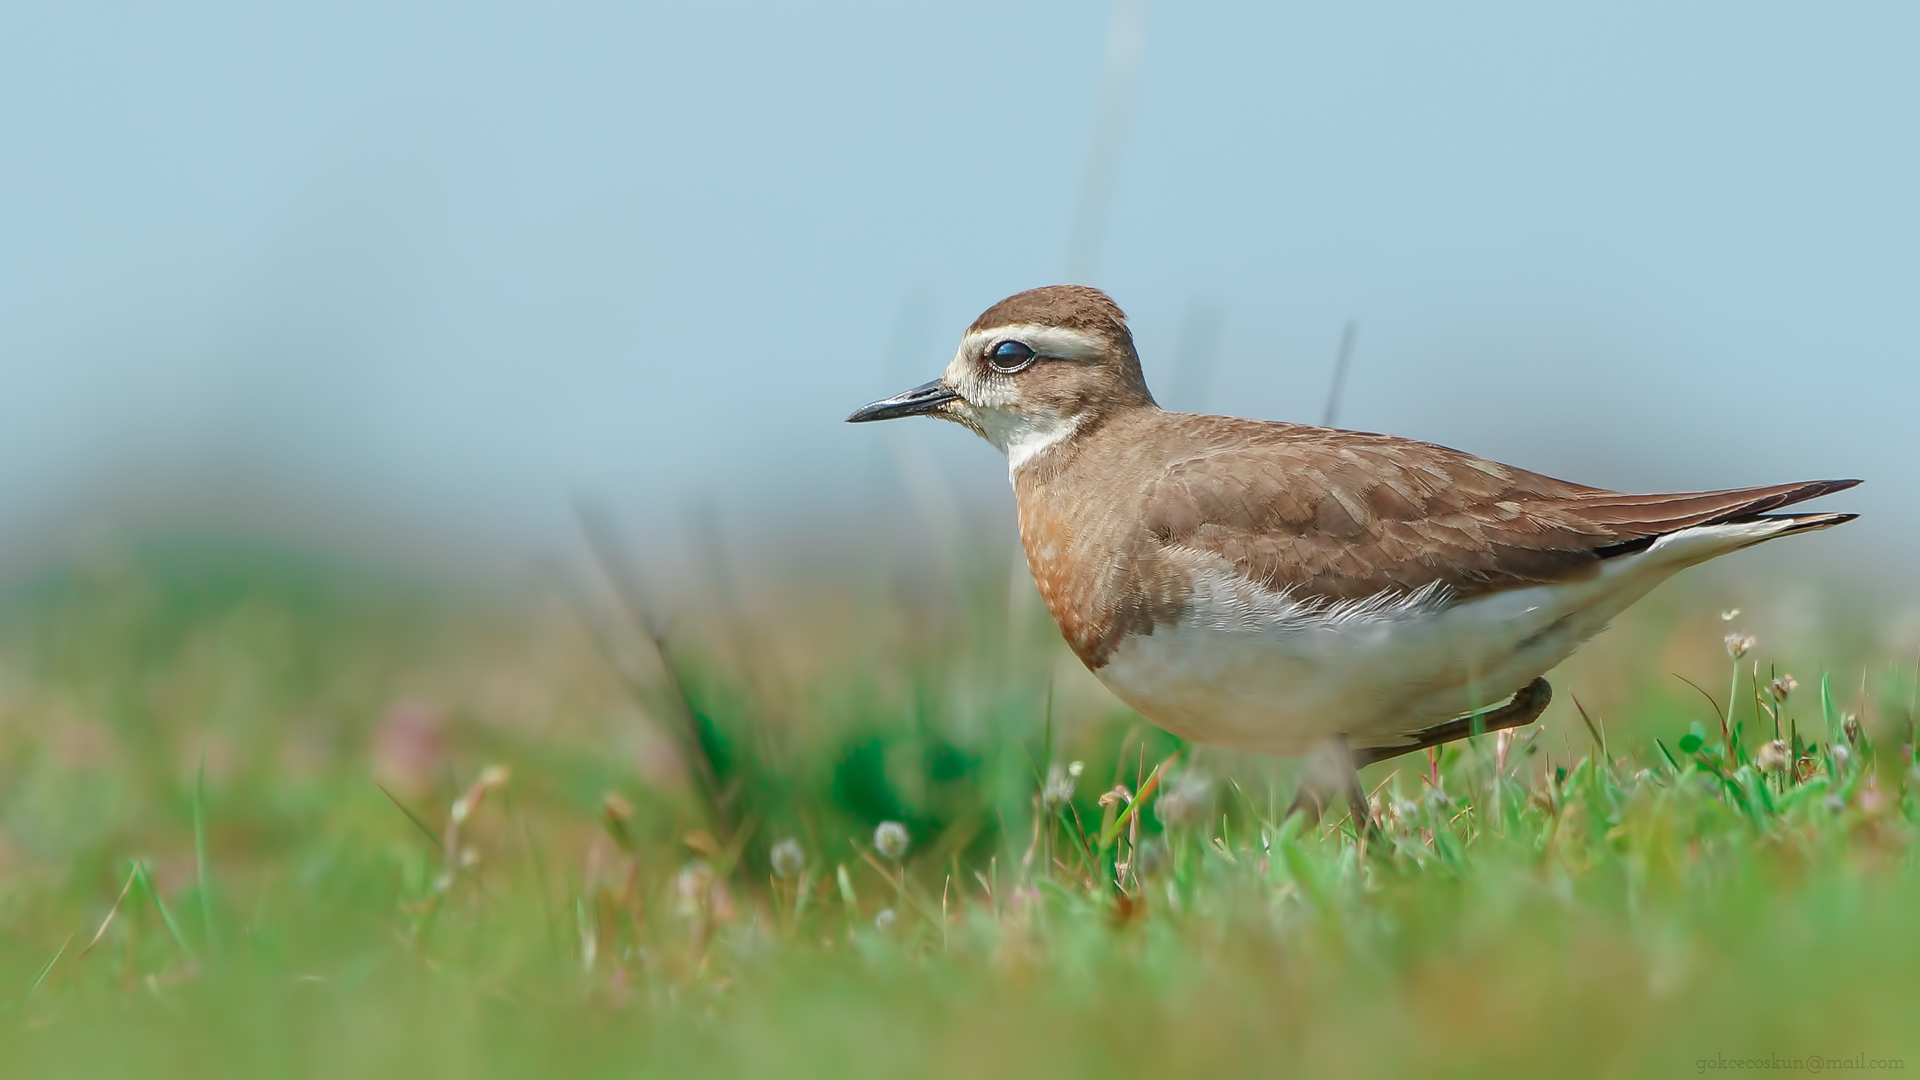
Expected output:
{"points": [[1254, 670]]}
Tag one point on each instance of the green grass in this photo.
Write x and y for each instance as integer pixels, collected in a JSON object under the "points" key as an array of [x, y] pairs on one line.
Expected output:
{"points": [[261, 758]]}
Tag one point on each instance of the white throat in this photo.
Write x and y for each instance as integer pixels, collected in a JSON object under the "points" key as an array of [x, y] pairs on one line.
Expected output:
{"points": [[1025, 437]]}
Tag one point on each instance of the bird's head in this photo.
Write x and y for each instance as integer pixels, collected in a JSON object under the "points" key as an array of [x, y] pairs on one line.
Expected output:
{"points": [[1032, 370]]}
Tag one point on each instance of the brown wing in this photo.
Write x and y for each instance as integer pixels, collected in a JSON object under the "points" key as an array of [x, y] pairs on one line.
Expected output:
{"points": [[1340, 515]]}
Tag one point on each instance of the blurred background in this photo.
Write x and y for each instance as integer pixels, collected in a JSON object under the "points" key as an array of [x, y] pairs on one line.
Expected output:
{"points": [[320, 321], [410, 277]]}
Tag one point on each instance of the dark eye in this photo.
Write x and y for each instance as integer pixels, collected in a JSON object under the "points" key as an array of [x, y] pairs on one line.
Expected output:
{"points": [[1010, 356]]}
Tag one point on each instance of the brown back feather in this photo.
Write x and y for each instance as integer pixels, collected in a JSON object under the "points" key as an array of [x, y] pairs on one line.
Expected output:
{"points": [[1341, 515], [1326, 515]]}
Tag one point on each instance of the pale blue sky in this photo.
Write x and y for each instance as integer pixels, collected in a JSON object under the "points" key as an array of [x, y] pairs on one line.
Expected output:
{"points": [[469, 259]]}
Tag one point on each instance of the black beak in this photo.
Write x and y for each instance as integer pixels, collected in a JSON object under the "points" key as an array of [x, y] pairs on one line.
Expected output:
{"points": [[919, 401]]}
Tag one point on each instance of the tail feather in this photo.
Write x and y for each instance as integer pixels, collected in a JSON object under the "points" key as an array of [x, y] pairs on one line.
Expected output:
{"points": [[1807, 522], [1643, 519]]}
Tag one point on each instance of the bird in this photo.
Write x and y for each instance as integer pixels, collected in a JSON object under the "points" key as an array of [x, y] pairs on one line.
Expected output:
{"points": [[1292, 589]]}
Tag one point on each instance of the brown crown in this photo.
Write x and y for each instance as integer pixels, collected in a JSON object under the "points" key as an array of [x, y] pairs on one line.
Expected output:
{"points": [[1076, 307]]}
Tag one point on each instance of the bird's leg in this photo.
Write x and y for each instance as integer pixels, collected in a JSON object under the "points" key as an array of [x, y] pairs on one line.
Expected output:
{"points": [[1333, 769], [1311, 798], [1363, 823], [1525, 708], [1305, 804]]}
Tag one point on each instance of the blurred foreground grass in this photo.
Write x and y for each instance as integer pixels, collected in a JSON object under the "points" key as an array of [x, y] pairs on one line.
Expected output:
{"points": [[261, 817]]}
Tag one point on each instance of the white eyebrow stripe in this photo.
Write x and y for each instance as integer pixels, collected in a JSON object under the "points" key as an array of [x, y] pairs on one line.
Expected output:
{"points": [[1056, 342]]}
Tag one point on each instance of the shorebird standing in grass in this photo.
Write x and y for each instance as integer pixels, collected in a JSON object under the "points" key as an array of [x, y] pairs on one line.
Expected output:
{"points": [[1293, 589]]}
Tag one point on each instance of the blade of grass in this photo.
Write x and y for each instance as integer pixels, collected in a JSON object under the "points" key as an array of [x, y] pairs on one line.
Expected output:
{"points": [[1711, 700], [202, 872], [1045, 764], [1253, 811], [166, 914], [1599, 739], [589, 937], [425, 830], [1112, 832], [108, 921], [1668, 754], [48, 966], [896, 877], [1913, 704], [547, 917], [603, 543], [1084, 848], [736, 847]]}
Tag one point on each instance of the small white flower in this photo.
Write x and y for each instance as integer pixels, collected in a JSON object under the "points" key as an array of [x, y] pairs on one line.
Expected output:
{"points": [[1738, 644], [1058, 790], [892, 840], [1773, 757], [692, 889], [884, 921], [788, 858]]}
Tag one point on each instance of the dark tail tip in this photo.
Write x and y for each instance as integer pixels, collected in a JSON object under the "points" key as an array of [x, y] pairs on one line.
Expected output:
{"points": [[1804, 522]]}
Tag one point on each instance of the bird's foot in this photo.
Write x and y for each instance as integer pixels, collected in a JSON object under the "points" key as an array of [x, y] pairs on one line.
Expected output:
{"points": [[1337, 767], [1334, 770]]}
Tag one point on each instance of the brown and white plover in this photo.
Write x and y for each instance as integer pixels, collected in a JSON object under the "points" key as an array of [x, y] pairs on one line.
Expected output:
{"points": [[1284, 588]]}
